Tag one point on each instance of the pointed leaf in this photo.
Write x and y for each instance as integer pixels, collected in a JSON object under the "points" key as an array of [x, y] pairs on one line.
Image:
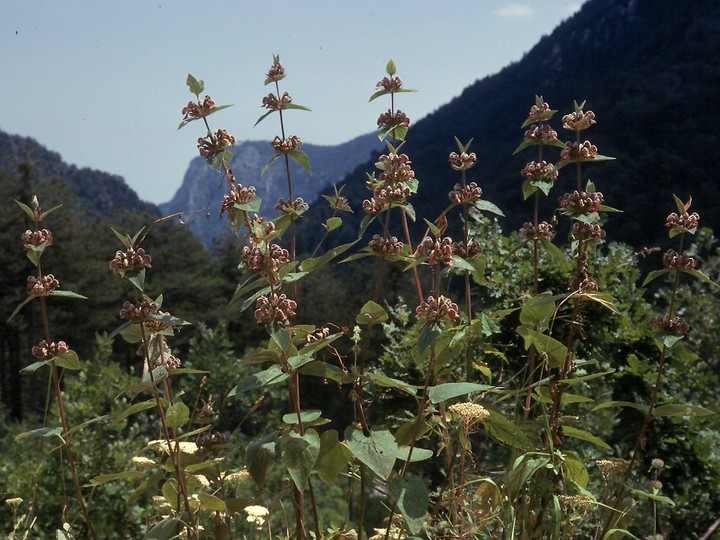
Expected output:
{"points": [[273, 375], [443, 392], [371, 314], [378, 451], [196, 86], [177, 415], [333, 457], [581, 434], [299, 454], [681, 409], [211, 502], [259, 457], [412, 498]]}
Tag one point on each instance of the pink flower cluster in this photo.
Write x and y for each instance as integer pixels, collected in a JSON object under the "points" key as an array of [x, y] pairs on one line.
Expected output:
{"points": [[276, 72], [213, 144], [198, 110], [45, 350], [543, 231], [575, 151], [676, 261], [288, 145], [298, 206], [581, 202], [540, 112], [390, 84], [268, 260], [386, 247], [541, 171], [36, 238], [139, 311], [541, 134], [578, 120], [272, 102], [129, 260], [275, 308], [433, 310], [470, 194], [389, 120], [42, 286], [434, 252], [683, 223], [462, 161], [675, 326], [237, 195]]}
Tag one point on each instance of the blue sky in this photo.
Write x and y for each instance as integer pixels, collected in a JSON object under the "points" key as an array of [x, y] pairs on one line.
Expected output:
{"points": [[102, 82]]}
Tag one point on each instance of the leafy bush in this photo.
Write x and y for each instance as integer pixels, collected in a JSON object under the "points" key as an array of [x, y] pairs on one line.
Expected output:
{"points": [[486, 385]]}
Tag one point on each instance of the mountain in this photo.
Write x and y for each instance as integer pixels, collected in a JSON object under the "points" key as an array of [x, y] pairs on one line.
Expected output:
{"points": [[97, 192], [202, 190], [649, 69]]}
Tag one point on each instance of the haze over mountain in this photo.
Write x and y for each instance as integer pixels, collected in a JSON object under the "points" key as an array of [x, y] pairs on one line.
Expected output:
{"points": [[202, 190]]}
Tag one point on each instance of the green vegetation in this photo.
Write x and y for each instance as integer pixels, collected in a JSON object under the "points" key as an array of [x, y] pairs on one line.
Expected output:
{"points": [[364, 382]]}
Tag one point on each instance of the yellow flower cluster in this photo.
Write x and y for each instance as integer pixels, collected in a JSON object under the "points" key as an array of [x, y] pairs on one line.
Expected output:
{"points": [[469, 412]]}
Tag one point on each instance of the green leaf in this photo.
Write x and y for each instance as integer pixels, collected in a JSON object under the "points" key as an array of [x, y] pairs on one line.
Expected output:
{"points": [[575, 471], [542, 394], [427, 335], [40, 432], [281, 335], [538, 310], [105, 478], [32, 368], [445, 391], [658, 498], [333, 223], [505, 431], [523, 468], [135, 408], [25, 208], [378, 451], [543, 343], [390, 68], [302, 158], [326, 371], [333, 457], [136, 277], [211, 502], [273, 375], [68, 294], [608, 535], [389, 382], [699, 275], [555, 253], [263, 117], [412, 498], [681, 409], [305, 416], [583, 435], [177, 415], [372, 313], [196, 86], [313, 263], [19, 307], [609, 404], [418, 454], [299, 453], [167, 529], [69, 360], [259, 457], [487, 206]]}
